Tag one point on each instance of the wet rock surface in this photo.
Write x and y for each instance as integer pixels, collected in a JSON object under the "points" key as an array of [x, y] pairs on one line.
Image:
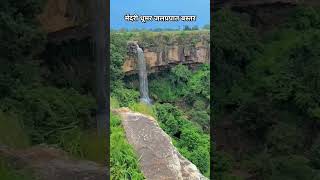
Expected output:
{"points": [[47, 163], [158, 158]]}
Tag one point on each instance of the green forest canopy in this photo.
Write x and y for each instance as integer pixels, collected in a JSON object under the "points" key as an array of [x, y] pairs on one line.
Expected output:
{"points": [[267, 85]]}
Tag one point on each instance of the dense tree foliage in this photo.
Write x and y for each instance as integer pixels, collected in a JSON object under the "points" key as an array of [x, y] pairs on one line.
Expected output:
{"points": [[41, 101], [190, 139], [267, 87]]}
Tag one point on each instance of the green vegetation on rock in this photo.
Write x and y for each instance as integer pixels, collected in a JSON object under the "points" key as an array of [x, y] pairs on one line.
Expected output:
{"points": [[123, 160]]}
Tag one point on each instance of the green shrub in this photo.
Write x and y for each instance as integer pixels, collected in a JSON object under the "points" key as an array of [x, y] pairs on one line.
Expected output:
{"points": [[305, 18], [201, 157], [126, 97], [94, 146], [172, 125], [46, 111], [189, 139], [202, 118], [114, 103], [197, 144], [162, 111], [180, 74], [162, 90], [259, 163], [223, 164], [284, 139], [291, 168], [288, 167], [199, 83], [169, 117], [84, 144], [190, 89], [118, 45]]}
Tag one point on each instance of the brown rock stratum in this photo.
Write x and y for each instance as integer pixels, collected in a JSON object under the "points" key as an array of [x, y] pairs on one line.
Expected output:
{"points": [[169, 55]]}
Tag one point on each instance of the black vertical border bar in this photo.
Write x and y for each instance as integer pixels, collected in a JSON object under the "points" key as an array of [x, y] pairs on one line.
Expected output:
{"points": [[212, 143], [100, 31], [108, 59]]}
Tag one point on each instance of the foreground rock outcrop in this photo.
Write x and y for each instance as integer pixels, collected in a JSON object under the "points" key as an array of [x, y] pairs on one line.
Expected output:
{"points": [[48, 163], [158, 158]]}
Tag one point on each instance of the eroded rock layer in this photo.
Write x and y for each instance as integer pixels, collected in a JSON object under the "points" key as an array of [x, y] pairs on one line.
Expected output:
{"points": [[160, 54]]}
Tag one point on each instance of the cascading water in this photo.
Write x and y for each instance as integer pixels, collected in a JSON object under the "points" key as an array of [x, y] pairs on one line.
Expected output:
{"points": [[143, 79]]}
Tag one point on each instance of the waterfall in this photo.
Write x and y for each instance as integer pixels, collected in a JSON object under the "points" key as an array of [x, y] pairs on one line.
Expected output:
{"points": [[143, 79]]}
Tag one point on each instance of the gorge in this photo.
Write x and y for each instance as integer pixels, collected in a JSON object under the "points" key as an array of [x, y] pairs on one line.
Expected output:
{"points": [[169, 136]]}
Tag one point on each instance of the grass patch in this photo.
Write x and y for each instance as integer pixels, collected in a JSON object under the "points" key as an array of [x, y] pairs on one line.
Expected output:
{"points": [[143, 108], [85, 144], [123, 160], [114, 103], [94, 147]]}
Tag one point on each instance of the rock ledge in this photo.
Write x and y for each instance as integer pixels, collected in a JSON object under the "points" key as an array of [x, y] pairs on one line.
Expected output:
{"points": [[158, 158]]}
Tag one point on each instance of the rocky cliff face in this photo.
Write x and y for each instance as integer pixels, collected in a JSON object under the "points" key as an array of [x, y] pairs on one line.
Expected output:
{"points": [[158, 158], [160, 55], [65, 19], [62, 14]]}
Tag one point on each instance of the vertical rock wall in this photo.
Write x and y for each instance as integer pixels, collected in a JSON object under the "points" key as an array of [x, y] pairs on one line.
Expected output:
{"points": [[165, 55]]}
